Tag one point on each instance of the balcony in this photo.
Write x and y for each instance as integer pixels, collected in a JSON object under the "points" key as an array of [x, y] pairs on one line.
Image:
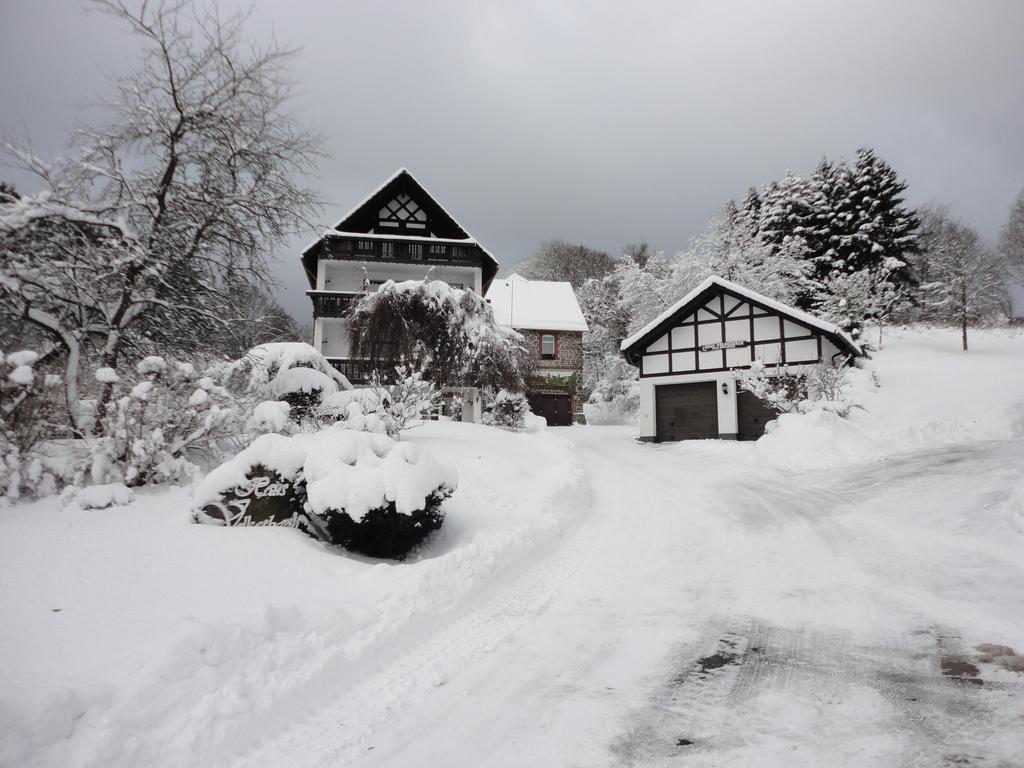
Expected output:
{"points": [[403, 250], [331, 303]]}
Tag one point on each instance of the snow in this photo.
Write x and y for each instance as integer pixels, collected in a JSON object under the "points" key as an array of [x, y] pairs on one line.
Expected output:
{"points": [[22, 375], [269, 416], [199, 397], [22, 357], [151, 364], [535, 305], [772, 304], [142, 390], [298, 380], [135, 637], [107, 376], [269, 361], [102, 496], [590, 600]]}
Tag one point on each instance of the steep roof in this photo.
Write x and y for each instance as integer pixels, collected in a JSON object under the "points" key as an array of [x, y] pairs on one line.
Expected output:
{"points": [[714, 284], [535, 305], [363, 217]]}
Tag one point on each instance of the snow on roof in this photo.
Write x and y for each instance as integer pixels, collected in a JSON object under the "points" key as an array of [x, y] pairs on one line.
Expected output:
{"points": [[772, 304], [536, 305]]}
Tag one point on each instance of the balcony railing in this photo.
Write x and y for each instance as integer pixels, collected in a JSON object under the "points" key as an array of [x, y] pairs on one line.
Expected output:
{"points": [[331, 303], [398, 250], [358, 371]]}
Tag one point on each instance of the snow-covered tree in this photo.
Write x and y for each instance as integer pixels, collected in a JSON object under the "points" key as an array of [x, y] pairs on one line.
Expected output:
{"points": [[141, 235], [449, 333], [1011, 242], [731, 247], [562, 261], [964, 284]]}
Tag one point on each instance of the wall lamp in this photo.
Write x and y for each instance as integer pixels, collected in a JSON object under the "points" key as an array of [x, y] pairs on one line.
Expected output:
{"points": [[725, 388]]}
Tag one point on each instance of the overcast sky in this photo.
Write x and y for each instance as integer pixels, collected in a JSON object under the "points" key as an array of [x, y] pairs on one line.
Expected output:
{"points": [[595, 122]]}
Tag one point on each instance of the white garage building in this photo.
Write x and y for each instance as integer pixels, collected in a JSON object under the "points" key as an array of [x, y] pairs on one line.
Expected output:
{"points": [[688, 356]]}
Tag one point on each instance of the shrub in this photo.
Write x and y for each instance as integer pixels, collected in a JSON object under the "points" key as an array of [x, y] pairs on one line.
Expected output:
{"points": [[408, 399], [359, 490], [508, 410], [158, 422], [384, 531], [292, 372]]}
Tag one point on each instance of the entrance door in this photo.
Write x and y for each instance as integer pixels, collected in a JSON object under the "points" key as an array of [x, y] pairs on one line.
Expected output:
{"points": [[752, 415], [557, 409], [686, 411]]}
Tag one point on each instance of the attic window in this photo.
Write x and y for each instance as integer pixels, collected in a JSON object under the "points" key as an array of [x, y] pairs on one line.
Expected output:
{"points": [[402, 213]]}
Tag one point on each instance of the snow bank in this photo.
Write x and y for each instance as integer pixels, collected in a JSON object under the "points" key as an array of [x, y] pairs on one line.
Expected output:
{"points": [[183, 645], [930, 394], [101, 496]]}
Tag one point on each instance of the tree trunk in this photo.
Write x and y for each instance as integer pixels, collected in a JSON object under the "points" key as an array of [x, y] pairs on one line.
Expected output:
{"points": [[963, 331]]}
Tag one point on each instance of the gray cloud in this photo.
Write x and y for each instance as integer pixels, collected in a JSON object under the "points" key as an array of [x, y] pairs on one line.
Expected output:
{"points": [[598, 122]]}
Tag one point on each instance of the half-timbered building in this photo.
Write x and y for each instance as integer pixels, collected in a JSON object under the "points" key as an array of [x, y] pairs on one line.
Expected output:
{"points": [[689, 355], [398, 232]]}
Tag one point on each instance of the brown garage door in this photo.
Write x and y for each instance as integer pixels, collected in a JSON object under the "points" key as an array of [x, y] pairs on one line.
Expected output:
{"points": [[752, 415], [686, 411], [557, 409]]}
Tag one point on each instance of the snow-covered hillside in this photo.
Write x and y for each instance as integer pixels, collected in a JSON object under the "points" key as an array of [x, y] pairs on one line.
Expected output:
{"points": [[810, 599]]}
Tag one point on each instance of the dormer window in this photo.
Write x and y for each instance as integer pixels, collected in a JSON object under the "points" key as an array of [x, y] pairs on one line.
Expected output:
{"points": [[403, 213]]}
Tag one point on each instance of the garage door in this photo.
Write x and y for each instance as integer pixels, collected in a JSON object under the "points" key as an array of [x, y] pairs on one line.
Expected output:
{"points": [[752, 415], [557, 409], [686, 411]]}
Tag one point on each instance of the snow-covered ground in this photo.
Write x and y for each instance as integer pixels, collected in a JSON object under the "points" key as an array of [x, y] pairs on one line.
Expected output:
{"points": [[591, 601]]}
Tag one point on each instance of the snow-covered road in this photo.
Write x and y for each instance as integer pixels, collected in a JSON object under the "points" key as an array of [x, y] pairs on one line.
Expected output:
{"points": [[712, 611]]}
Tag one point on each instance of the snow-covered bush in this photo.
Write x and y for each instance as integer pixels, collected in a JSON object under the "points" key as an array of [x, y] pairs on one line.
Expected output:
{"points": [[408, 399], [449, 333], [824, 386], [158, 421], [358, 409], [362, 491], [292, 372], [269, 416], [28, 400], [780, 389], [508, 410]]}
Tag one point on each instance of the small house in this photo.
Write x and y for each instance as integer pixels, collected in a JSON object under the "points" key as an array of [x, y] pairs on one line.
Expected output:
{"points": [[688, 357], [548, 316]]}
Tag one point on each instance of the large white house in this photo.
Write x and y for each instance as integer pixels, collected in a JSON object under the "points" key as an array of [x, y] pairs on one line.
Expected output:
{"points": [[398, 232], [688, 357], [401, 232]]}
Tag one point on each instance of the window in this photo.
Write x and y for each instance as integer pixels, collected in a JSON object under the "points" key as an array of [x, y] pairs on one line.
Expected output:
{"points": [[415, 251], [365, 246], [548, 346], [387, 250]]}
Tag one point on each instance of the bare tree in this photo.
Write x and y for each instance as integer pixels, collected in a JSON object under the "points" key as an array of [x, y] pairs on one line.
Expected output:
{"points": [[143, 235], [964, 282], [562, 261]]}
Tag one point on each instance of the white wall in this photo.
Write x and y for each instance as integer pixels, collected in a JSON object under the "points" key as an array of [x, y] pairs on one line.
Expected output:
{"points": [[330, 336]]}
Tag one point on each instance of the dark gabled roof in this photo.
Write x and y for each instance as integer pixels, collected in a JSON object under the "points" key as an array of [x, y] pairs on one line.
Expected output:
{"points": [[364, 217], [633, 347]]}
